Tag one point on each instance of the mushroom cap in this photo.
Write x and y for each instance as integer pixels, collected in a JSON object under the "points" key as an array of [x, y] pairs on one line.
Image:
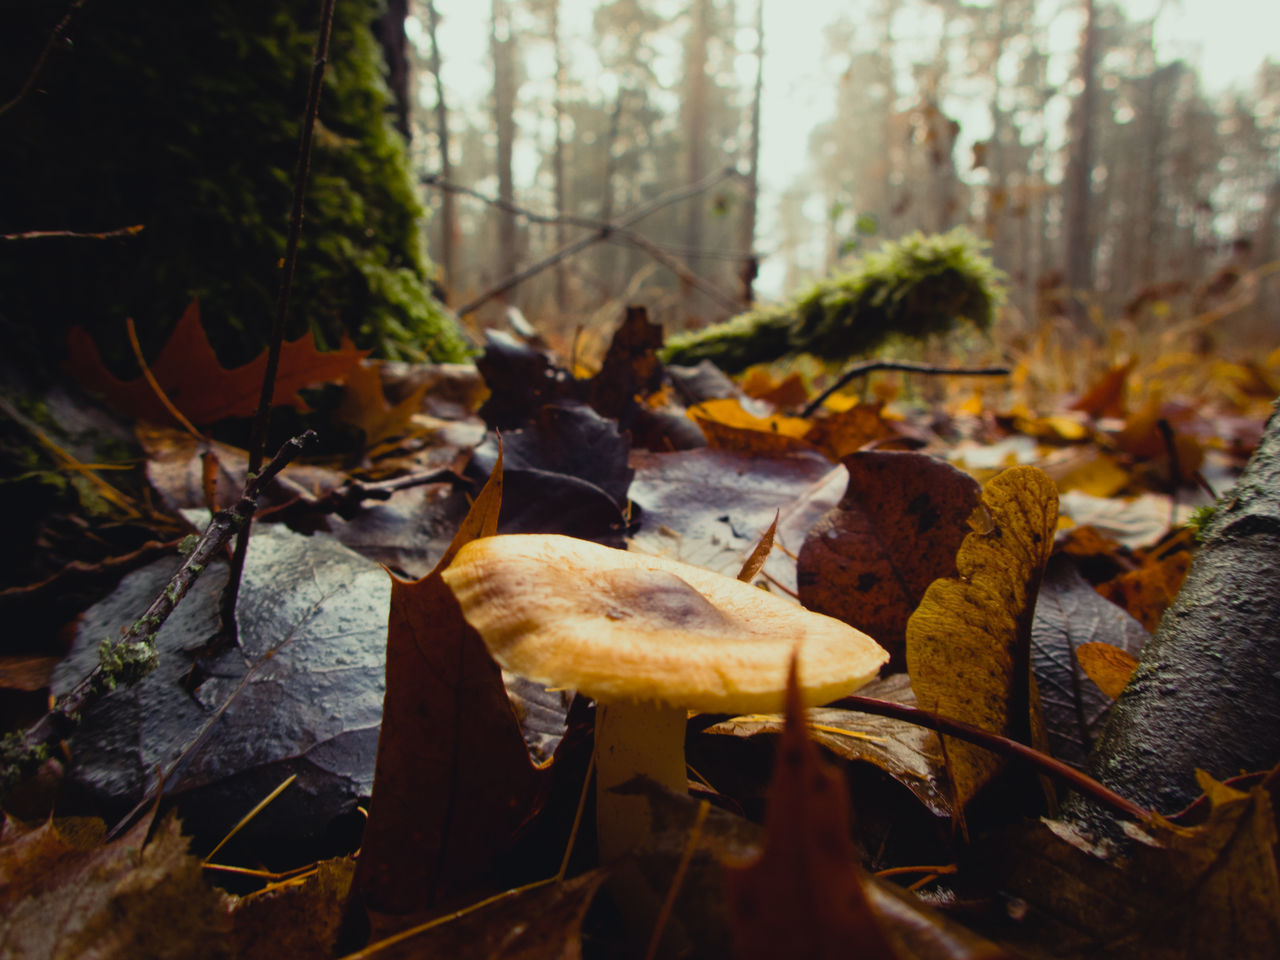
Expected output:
{"points": [[626, 626]]}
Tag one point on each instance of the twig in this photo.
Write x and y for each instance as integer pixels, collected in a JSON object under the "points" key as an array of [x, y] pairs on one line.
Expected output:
{"points": [[54, 39], [862, 369], [132, 231], [1041, 762], [133, 655], [262, 419], [602, 232]]}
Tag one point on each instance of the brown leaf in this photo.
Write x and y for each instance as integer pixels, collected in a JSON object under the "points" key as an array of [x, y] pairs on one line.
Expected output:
{"points": [[1182, 893], [297, 920], [760, 554], [63, 893], [1147, 592], [897, 529], [969, 641], [1107, 666], [184, 470], [453, 782], [848, 431], [188, 371], [1105, 397], [804, 895], [365, 406], [631, 370], [908, 753]]}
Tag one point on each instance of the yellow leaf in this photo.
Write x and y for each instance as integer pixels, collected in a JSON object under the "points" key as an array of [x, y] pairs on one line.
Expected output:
{"points": [[1107, 666], [969, 640]]}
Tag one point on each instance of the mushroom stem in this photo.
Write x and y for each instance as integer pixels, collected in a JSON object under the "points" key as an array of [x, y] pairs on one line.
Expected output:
{"points": [[634, 739]]}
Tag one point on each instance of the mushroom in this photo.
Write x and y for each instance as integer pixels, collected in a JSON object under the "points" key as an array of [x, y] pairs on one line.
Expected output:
{"points": [[648, 639]]}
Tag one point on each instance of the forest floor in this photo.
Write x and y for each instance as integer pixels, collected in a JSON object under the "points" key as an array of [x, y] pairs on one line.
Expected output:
{"points": [[340, 769]]}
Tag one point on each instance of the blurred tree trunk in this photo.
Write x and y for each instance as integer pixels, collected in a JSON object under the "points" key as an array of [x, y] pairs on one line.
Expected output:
{"points": [[747, 230], [695, 128], [448, 207], [502, 44], [557, 158], [1078, 233], [389, 30]]}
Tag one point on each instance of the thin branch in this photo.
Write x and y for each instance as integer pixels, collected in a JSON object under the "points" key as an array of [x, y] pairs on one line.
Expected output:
{"points": [[130, 657], [1005, 747], [862, 369], [132, 231], [601, 232], [55, 38], [262, 419]]}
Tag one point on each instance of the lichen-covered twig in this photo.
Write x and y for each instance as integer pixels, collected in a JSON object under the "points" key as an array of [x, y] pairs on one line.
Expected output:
{"points": [[133, 655]]}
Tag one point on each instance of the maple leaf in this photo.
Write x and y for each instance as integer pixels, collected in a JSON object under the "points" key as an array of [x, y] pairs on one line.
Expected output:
{"points": [[188, 371], [453, 780]]}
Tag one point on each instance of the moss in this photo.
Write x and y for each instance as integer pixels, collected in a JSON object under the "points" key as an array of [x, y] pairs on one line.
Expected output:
{"points": [[186, 119], [919, 286], [122, 662]]}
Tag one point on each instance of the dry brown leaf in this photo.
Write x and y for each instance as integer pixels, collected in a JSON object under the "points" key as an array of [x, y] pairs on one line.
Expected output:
{"points": [[969, 641], [188, 371]]}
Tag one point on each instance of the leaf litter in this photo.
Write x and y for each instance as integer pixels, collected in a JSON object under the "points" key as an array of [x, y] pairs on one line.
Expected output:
{"points": [[446, 832]]}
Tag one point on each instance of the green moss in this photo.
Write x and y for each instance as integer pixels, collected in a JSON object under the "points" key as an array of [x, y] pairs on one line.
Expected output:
{"points": [[186, 119], [918, 286], [122, 662]]}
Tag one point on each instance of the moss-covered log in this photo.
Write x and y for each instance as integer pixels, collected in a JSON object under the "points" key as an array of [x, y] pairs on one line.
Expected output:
{"points": [[1206, 691], [184, 118], [911, 288]]}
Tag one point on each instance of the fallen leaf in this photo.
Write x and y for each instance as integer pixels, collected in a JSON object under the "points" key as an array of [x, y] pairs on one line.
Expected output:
{"points": [[907, 752], [537, 923], [566, 472], [453, 782], [1070, 616], [1107, 666], [183, 470], [301, 693], [897, 529], [1106, 396], [299, 920], [631, 370], [848, 431], [709, 507], [804, 895], [969, 641], [1147, 592], [64, 893], [365, 406], [752, 565], [1175, 892], [188, 371], [787, 393], [728, 426]]}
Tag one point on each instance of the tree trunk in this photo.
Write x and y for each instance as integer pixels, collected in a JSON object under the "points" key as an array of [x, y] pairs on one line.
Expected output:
{"points": [[1079, 179], [389, 30], [695, 128], [448, 208], [557, 157], [1205, 693], [747, 231], [504, 97]]}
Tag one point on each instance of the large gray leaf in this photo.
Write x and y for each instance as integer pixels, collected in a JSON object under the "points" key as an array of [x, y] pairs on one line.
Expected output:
{"points": [[302, 694]]}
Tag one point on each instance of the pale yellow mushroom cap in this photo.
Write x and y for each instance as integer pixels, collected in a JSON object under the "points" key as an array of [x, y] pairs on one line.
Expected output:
{"points": [[626, 626]]}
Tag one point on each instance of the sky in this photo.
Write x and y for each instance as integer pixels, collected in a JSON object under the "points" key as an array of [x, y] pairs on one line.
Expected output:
{"points": [[1227, 40]]}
